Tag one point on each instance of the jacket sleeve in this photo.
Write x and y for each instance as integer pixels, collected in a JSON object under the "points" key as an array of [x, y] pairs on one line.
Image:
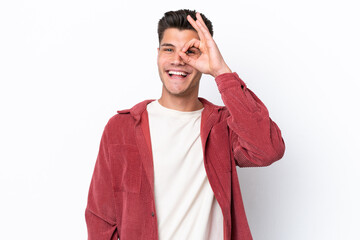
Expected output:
{"points": [[255, 139], [100, 211]]}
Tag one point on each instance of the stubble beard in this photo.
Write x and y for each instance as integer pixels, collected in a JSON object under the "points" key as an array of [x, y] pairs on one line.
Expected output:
{"points": [[182, 93]]}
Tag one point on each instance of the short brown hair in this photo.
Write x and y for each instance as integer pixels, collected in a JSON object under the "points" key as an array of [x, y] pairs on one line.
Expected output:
{"points": [[177, 19]]}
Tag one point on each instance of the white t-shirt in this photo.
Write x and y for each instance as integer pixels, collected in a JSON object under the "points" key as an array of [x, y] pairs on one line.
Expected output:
{"points": [[185, 203]]}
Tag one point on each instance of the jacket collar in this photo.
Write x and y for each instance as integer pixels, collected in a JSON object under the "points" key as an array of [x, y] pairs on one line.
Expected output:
{"points": [[208, 119], [137, 110]]}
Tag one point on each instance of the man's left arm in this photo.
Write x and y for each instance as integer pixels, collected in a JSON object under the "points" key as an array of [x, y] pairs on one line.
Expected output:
{"points": [[256, 140]]}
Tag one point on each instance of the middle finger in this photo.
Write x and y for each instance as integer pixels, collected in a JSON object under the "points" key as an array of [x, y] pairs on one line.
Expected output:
{"points": [[197, 28]]}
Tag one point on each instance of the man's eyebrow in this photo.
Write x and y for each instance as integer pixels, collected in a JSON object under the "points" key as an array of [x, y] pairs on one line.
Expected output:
{"points": [[167, 45]]}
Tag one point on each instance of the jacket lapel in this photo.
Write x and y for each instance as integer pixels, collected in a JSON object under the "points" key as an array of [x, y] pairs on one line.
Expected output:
{"points": [[208, 120], [142, 135]]}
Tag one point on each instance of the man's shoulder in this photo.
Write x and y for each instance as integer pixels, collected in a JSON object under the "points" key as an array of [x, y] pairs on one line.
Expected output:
{"points": [[213, 107], [129, 114], [135, 112], [137, 108]]}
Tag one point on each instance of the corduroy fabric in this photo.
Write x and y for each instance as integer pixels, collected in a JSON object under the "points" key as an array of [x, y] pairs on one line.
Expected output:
{"points": [[121, 195]]}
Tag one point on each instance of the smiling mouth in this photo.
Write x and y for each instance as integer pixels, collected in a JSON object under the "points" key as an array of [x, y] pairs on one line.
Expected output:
{"points": [[177, 74]]}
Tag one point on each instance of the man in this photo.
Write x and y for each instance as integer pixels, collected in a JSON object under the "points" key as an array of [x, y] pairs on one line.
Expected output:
{"points": [[166, 169]]}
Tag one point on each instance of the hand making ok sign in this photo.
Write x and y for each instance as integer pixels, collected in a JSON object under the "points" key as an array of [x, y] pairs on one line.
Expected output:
{"points": [[210, 61]]}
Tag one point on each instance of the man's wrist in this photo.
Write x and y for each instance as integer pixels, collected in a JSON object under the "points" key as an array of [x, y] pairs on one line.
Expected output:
{"points": [[226, 69]]}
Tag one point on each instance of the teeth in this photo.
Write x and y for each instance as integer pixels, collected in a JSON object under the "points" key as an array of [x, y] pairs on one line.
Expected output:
{"points": [[177, 73]]}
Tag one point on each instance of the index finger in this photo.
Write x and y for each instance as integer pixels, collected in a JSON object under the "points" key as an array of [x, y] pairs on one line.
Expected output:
{"points": [[192, 43]]}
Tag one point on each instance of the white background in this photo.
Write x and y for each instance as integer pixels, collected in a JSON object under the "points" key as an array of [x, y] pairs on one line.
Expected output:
{"points": [[67, 66]]}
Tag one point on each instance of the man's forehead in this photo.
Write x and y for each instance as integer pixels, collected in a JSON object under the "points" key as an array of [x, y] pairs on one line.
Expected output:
{"points": [[173, 35]]}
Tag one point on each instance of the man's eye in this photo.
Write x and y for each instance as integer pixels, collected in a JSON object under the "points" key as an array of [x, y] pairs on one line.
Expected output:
{"points": [[167, 49], [193, 51]]}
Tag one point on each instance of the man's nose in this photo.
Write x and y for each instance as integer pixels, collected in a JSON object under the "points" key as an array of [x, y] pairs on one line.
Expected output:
{"points": [[177, 60]]}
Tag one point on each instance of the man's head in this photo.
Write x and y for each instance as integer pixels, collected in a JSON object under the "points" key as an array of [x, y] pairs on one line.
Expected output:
{"points": [[177, 19], [179, 79]]}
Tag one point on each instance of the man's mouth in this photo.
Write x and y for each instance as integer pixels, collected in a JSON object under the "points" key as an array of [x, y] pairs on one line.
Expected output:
{"points": [[177, 74]]}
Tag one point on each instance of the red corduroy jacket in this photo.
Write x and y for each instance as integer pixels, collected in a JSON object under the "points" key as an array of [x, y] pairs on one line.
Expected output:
{"points": [[121, 202]]}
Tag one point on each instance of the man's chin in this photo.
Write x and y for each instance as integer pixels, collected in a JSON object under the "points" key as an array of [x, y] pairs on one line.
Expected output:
{"points": [[175, 92]]}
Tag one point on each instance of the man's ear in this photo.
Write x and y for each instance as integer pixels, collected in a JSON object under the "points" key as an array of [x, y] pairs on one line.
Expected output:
{"points": [[158, 50]]}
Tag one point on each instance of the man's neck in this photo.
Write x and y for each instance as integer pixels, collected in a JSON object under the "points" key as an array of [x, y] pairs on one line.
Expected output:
{"points": [[185, 104]]}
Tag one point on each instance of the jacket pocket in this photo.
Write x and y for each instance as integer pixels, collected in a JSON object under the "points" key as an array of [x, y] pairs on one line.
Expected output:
{"points": [[126, 167]]}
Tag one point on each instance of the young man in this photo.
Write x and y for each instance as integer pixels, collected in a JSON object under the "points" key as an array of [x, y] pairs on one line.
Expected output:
{"points": [[166, 169]]}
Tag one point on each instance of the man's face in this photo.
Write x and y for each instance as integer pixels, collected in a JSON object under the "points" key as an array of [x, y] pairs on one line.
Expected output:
{"points": [[178, 78]]}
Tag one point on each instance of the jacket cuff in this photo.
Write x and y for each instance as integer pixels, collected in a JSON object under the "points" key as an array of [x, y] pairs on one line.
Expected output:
{"points": [[228, 80]]}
